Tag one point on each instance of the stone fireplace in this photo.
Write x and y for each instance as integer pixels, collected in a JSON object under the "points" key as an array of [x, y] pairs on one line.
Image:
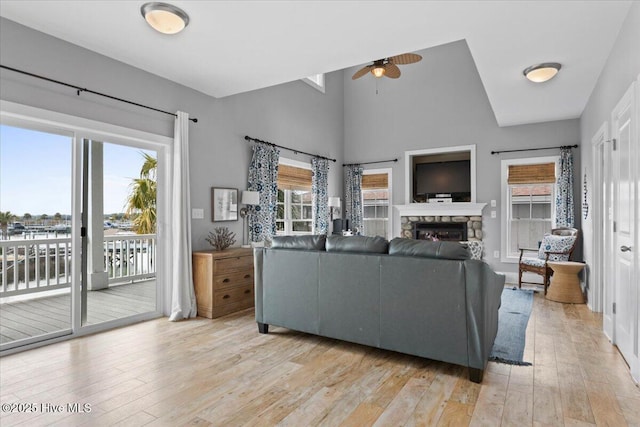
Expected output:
{"points": [[453, 231], [442, 221], [444, 227]]}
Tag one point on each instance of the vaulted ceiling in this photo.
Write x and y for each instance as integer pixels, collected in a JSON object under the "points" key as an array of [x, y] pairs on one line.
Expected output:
{"points": [[231, 47]]}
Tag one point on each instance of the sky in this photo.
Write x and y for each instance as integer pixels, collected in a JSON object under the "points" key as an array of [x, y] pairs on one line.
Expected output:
{"points": [[35, 172]]}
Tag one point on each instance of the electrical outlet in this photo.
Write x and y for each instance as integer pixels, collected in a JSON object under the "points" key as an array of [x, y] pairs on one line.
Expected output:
{"points": [[197, 213], [493, 214], [493, 203], [496, 254]]}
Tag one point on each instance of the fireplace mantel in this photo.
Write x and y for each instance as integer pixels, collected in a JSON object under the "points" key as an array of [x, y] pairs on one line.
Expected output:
{"points": [[439, 209]]}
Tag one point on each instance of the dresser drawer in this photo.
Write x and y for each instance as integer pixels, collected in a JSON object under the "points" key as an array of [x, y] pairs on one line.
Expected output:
{"points": [[223, 281], [236, 295], [230, 265], [233, 279]]}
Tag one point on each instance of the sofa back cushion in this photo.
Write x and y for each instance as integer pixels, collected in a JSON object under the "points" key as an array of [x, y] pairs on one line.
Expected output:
{"points": [[359, 244], [307, 243], [427, 249]]}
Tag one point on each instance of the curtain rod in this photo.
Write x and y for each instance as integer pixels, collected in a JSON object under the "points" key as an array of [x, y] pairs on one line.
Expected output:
{"points": [[79, 90], [535, 149], [248, 138], [369, 163]]}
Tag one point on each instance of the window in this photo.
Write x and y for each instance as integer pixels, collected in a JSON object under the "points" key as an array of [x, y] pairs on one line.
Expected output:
{"points": [[529, 190], [315, 81], [376, 203], [295, 209]]}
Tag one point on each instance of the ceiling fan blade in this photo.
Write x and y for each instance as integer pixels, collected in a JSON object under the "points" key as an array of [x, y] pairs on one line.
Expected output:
{"points": [[361, 72], [405, 58], [392, 71]]}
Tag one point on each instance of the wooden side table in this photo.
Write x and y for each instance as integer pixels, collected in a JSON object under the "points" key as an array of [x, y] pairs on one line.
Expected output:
{"points": [[223, 281], [565, 285]]}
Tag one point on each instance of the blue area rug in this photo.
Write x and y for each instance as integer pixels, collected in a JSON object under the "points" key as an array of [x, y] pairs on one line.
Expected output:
{"points": [[513, 317]]}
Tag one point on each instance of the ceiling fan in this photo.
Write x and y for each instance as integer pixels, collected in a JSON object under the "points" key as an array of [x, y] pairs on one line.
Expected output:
{"points": [[388, 66]]}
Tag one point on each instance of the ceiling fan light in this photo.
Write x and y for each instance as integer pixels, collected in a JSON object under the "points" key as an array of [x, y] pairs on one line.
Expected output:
{"points": [[164, 17], [378, 71], [542, 72]]}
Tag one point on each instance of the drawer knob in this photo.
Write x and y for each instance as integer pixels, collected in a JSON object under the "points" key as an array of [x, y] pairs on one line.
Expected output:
{"points": [[226, 297], [246, 276], [247, 291], [226, 280]]}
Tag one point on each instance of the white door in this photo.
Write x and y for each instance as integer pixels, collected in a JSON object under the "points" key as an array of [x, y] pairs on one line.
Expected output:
{"points": [[624, 125]]}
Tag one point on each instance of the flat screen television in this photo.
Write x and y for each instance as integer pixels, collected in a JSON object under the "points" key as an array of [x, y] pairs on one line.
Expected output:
{"points": [[450, 177]]}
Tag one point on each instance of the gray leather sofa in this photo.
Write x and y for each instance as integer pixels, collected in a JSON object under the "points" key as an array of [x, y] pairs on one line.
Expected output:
{"points": [[421, 298]]}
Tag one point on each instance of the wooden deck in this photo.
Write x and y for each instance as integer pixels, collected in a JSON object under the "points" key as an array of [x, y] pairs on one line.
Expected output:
{"points": [[221, 372], [42, 315]]}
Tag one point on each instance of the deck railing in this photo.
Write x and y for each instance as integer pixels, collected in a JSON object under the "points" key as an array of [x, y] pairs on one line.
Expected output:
{"points": [[130, 257], [37, 265]]}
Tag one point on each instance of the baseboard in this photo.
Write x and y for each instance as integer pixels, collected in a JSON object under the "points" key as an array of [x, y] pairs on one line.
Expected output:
{"points": [[511, 278]]}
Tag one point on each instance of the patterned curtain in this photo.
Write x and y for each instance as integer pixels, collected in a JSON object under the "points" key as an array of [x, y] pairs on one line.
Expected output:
{"points": [[353, 197], [564, 190], [263, 178], [319, 187]]}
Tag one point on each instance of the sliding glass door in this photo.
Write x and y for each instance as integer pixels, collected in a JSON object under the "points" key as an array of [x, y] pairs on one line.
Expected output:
{"points": [[78, 231], [120, 210], [35, 242]]}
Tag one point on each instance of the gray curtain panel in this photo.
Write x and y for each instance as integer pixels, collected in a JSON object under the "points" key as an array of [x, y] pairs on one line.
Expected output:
{"points": [[319, 188], [564, 190], [263, 178], [353, 197]]}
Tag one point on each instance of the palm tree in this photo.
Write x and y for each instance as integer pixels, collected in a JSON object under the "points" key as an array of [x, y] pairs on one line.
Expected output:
{"points": [[141, 203], [26, 217], [5, 219], [57, 217], [44, 218]]}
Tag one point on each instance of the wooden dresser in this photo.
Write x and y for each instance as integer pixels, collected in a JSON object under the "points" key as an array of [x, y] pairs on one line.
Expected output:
{"points": [[223, 281]]}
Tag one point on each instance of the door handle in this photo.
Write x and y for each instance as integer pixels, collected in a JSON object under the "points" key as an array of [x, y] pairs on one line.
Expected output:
{"points": [[624, 248]]}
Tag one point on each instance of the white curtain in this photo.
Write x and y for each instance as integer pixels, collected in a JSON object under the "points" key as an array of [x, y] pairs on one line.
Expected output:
{"points": [[183, 298]]}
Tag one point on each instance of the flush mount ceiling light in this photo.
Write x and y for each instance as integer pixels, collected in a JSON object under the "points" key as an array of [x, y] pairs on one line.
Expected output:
{"points": [[164, 17], [542, 72]]}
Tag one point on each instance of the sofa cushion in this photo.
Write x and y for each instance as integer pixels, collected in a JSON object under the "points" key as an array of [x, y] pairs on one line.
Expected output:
{"points": [[359, 244], [534, 262], [307, 243], [427, 249]]}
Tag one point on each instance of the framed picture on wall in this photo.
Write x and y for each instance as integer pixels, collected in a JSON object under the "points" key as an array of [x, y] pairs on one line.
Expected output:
{"points": [[224, 204]]}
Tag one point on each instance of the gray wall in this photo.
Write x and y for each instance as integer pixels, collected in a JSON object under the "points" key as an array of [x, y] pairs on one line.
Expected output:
{"points": [[441, 102], [621, 69], [292, 114]]}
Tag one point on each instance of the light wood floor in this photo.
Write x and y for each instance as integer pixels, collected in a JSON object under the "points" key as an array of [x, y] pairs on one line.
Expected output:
{"points": [[222, 372], [42, 315]]}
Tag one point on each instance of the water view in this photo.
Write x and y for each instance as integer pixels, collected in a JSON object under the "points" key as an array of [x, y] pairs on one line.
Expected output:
{"points": [[36, 254]]}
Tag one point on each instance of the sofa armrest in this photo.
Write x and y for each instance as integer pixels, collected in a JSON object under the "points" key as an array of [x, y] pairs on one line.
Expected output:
{"points": [[483, 297], [258, 259]]}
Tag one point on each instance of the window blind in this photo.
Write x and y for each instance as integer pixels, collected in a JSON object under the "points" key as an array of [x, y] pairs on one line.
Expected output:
{"points": [[373, 181], [532, 174], [293, 178]]}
